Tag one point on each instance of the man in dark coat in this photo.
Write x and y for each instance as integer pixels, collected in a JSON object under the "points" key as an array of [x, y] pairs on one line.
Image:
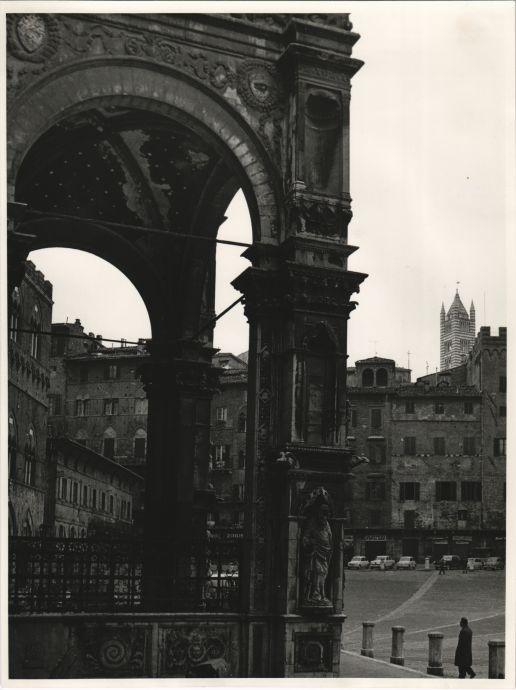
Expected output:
{"points": [[463, 653]]}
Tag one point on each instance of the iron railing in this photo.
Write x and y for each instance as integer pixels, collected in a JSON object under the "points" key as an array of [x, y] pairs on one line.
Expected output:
{"points": [[91, 575]]}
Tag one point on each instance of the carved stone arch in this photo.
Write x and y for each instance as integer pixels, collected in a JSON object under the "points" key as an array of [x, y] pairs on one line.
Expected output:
{"points": [[139, 84]]}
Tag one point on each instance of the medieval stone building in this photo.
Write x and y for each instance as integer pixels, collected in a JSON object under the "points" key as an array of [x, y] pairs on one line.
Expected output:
{"points": [[457, 333], [30, 315]]}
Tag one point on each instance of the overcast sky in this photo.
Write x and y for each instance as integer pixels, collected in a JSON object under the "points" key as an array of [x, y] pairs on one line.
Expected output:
{"points": [[432, 117]]}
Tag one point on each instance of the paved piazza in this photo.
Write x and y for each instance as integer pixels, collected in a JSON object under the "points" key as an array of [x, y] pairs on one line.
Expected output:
{"points": [[424, 601]]}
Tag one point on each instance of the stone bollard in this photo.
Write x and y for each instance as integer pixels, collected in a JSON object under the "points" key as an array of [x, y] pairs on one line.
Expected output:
{"points": [[397, 654], [427, 563], [496, 659], [367, 640], [435, 654]]}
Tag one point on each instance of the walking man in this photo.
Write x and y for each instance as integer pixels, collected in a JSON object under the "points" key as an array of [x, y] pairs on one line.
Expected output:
{"points": [[442, 570], [463, 653]]}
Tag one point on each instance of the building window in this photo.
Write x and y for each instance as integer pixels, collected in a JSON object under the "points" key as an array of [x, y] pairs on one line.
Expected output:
{"points": [[111, 371], [462, 515], [354, 418], [12, 446], [381, 377], [30, 458], [109, 448], [471, 491], [140, 448], [468, 407], [14, 316], [439, 445], [503, 384], [241, 459], [375, 518], [242, 422], [94, 498], [367, 378], [141, 406], [64, 488], [222, 414], [103, 500], [81, 408], [499, 446], [410, 407], [84, 495], [83, 374], [376, 451], [445, 491], [469, 445], [35, 336], [110, 406], [128, 510], [439, 408], [61, 531], [111, 505], [503, 411], [409, 519], [72, 532], [54, 404], [75, 492], [222, 454], [409, 491], [409, 445], [375, 491], [376, 419]]}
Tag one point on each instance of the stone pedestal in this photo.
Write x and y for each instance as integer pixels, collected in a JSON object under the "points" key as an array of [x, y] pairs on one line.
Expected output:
{"points": [[397, 652], [367, 639], [311, 645], [496, 658], [435, 654]]}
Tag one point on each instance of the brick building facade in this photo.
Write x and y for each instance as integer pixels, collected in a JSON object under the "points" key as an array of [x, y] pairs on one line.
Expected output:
{"points": [[30, 310]]}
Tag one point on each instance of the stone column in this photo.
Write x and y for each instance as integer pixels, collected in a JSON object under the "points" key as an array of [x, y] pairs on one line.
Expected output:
{"points": [[435, 653], [397, 652], [367, 639], [179, 382], [496, 659]]}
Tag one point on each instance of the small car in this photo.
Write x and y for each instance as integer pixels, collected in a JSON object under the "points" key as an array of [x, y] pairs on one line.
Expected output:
{"points": [[450, 562], [475, 563], [383, 562], [493, 563], [358, 562], [406, 562]]}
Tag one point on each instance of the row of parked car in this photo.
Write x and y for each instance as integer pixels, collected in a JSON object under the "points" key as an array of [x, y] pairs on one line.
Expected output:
{"points": [[449, 561]]}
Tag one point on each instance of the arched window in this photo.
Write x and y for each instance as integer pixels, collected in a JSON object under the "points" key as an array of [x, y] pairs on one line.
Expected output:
{"points": [[242, 422], [12, 446], [61, 531], [29, 470], [35, 336], [72, 532], [381, 377], [140, 444], [14, 314], [83, 533], [109, 443], [368, 377]]}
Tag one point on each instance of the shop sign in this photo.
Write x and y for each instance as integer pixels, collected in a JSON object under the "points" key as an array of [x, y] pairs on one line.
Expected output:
{"points": [[375, 537]]}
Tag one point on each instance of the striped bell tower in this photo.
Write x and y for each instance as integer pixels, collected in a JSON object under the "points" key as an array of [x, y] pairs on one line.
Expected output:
{"points": [[457, 331]]}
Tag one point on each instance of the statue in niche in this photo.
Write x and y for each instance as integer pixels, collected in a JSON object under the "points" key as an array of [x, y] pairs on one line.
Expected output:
{"points": [[317, 548], [323, 129]]}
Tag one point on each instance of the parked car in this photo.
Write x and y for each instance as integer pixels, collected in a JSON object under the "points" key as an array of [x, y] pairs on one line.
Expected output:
{"points": [[406, 562], [493, 563], [450, 561], [383, 562], [475, 563], [358, 563]]}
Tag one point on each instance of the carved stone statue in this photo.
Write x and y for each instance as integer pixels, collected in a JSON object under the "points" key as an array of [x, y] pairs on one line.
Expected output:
{"points": [[317, 544]]}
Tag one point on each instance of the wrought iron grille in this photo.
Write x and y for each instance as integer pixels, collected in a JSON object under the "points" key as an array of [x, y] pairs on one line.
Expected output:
{"points": [[90, 575]]}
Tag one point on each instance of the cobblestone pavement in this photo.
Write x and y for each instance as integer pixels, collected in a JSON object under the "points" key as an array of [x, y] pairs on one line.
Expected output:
{"points": [[423, 602]]}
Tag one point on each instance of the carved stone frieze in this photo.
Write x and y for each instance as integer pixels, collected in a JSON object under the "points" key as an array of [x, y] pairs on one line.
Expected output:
{"points": [[313, 652], [115, 652], [280, 21], [190, 652], [317, 217]]}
